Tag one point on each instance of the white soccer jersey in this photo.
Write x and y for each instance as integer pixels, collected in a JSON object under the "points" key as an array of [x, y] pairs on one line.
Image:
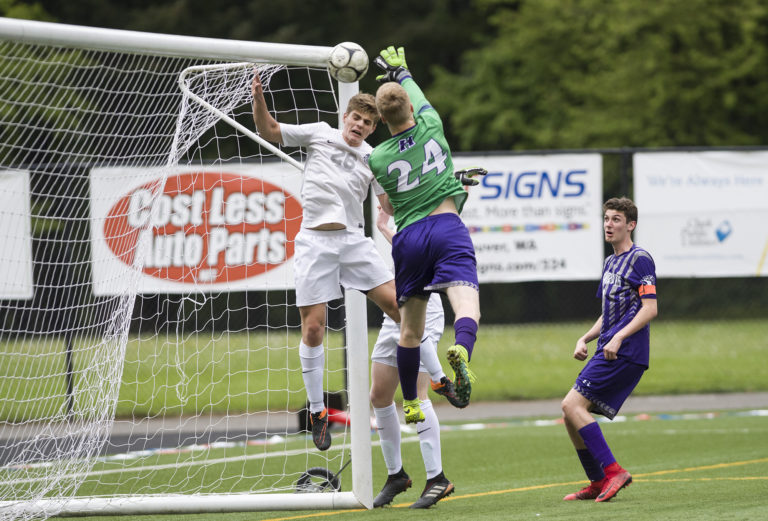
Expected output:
{"points": [[336, 175]]}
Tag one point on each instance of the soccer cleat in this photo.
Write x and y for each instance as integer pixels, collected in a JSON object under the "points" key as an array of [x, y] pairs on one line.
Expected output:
{"points": [[591, 491], [395, 484], [436, 489], [320, 434], [613, 484], [412, 411], [446, 388], [463, 377]]}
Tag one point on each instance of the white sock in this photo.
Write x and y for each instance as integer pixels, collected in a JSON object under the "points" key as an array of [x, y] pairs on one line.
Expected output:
{"points": [[429, 439], [428, 353], [312, 364], [388, 424]]}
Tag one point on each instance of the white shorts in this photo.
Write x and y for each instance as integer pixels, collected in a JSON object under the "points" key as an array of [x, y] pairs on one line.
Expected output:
{"points": [[385, 350], [324, 260]]}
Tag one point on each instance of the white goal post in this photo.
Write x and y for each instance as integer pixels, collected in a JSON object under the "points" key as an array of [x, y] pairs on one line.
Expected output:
{"points": [[155, 367]]}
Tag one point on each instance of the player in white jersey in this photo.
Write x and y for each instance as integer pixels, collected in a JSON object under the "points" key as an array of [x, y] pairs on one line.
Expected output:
{"points": [[385, 380], [331, 249]]}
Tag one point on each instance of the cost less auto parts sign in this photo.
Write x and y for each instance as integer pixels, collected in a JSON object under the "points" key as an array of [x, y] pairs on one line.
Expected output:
{"points": [[194, 229]]}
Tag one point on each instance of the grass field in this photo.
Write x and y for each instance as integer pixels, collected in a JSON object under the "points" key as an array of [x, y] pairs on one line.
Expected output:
{"points": [[685, 468], [240, 372], [690, 467]]}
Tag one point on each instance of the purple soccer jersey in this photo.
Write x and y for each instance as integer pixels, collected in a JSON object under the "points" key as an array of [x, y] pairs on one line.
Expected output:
{"points": [[627, 278]]}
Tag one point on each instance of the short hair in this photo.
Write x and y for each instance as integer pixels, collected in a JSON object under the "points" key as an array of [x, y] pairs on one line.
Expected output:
{"points": [[624, 205], [393, 103], [363, 103]]}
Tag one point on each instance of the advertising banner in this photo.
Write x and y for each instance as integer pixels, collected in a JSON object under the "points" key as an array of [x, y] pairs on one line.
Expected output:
{"points": [[536, 217], [16, 256], [208, 229], [703, 214]]}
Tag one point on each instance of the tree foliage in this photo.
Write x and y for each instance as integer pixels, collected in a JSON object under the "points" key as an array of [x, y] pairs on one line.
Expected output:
{"points": [[589, 73], [517, 74]]}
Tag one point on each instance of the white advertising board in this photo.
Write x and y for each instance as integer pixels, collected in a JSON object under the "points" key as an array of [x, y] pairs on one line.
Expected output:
{"points": [[210, 229], [534, 217], [16, 256], [703, 214]]}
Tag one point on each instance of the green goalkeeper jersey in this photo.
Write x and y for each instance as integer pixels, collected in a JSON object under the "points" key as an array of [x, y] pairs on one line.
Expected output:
{"points": [[414, 167]]}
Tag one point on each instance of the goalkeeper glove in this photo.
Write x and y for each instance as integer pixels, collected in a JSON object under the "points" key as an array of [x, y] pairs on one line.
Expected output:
{"points": [[466, 176], [393, 62]]}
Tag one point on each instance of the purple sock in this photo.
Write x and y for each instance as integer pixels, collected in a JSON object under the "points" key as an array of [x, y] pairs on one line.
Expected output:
{"points": [[408, 359], [466, 333], [595, 442], [591, 465]]}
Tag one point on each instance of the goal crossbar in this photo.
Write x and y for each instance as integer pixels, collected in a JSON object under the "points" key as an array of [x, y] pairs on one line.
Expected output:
{"points": [[47, 33]]}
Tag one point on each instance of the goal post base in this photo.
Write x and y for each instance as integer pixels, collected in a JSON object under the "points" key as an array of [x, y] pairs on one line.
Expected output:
{"points": [[177, 504]]}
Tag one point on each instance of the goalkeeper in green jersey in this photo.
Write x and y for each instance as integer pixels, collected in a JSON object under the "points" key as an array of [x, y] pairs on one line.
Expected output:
{"points": [[432, 249]]}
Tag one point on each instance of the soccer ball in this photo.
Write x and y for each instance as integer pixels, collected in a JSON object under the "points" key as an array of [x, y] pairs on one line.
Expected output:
{"points": [[348, 62]]}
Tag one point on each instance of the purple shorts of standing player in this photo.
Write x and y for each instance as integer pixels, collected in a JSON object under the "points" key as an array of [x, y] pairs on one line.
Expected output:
{"points": [[607, 383], [432, 254]]}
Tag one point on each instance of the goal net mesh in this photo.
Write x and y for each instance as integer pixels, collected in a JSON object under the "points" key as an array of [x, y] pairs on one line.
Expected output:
{"points": [[148, 332]]}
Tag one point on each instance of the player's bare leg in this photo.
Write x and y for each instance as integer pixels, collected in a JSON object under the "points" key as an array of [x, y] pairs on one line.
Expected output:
{"points": [[385, 297], [313, 324], [465, 302]]}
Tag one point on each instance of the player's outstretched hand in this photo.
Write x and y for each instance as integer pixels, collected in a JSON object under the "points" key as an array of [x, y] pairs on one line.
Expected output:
{"points": [[392, 61], [467, 175], [257, 90]]}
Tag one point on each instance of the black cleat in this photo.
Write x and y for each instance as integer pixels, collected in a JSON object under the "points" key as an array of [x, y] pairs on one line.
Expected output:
{"points": [[437, 488], [395, 484], [320, 434], [446, 388]]}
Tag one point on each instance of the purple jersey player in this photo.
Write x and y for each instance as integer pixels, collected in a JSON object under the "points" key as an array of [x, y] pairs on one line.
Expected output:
{"points": [[628, 292]]}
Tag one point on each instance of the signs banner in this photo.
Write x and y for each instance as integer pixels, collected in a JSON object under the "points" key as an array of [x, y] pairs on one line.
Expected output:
{"points": [[209, 229], [16, 256], [533, 217], [703, 214], [536, 217]]}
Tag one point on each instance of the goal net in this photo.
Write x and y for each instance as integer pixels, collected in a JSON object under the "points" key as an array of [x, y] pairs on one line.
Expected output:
{"points": [[148, 333]]}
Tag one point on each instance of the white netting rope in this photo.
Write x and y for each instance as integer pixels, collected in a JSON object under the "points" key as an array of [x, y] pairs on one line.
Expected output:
{"points": [[205, 385]]}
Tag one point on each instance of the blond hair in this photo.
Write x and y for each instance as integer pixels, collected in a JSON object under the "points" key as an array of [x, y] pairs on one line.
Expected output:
{"points": [[363, 103], [393, 103]]}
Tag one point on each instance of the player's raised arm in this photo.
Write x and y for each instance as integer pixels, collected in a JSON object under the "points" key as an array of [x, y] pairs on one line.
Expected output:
{"points": [[267, 126]]}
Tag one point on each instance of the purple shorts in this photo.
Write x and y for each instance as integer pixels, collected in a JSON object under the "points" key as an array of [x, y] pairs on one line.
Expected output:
{"points": [[608, 383], [432, 254]]}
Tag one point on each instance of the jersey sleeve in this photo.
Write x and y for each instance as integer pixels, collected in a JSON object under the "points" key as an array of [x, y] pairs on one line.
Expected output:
{"points": [[377, 189], [301, 135], [645, 276]]}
